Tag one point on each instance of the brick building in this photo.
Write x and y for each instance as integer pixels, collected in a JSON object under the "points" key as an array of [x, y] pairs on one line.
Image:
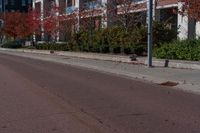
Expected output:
{"points": [[103, 13]]}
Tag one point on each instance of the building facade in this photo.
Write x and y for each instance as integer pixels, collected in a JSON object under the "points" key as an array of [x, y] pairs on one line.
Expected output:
{"points": [[104, 13], [15, 5]]}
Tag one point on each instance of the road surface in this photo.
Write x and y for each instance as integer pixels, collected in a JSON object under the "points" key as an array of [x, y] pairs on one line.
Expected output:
{"points": [[47, 97]]}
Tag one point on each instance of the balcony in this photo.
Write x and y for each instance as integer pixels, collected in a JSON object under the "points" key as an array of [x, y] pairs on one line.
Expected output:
{"points": [[92, 5], [70, 9], [136, 1], [123, 2]]}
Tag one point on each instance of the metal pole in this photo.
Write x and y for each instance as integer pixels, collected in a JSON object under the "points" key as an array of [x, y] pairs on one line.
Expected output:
{"points": [[150, 31]]}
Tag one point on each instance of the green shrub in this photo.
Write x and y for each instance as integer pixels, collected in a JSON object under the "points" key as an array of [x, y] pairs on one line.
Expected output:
{"points": [[52, 46], [114, 40], [163, 34], [182, 50], [29, 47], [12, 44], [120, 40]]}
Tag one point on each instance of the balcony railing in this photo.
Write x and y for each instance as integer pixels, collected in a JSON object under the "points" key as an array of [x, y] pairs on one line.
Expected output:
{"points": [[130, 1], [70, 9], [92, 5], [138, 1]]}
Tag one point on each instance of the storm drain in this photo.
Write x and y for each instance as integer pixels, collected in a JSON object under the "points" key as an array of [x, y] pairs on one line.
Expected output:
{"points": [[169, 83]]}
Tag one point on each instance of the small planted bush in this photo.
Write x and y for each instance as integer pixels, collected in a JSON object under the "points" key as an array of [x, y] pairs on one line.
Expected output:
{"points": [[116, 40], [52, 46], [181, 50], [12, 44], [121, 40]]}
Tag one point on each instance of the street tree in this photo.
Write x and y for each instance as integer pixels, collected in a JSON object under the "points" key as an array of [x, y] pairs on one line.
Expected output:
{"points": [[90, 14], [34, 21], [191, 8], [16, 25], [57, 22]]}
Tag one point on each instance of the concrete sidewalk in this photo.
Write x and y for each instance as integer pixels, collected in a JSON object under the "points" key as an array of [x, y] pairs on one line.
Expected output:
{"points": [[187, 79], [115, 58]]}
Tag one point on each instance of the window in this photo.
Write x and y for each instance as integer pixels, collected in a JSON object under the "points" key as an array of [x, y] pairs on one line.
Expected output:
{"points": [[6, 2], [12, 2], [1, 6], [23, 2], [139, 1], [69, 3], [29, 1]]}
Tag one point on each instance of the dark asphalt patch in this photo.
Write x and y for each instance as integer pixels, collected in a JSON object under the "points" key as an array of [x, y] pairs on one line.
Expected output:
{"points": [[169, 83]]}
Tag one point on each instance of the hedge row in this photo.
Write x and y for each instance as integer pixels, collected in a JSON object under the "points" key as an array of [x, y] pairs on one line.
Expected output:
{"points": [[52, 46], [181, 50], [120, 39], [12, 44], [113, 40]]}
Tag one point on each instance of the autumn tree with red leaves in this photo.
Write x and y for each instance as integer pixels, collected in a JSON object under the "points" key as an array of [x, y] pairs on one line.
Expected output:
{"points": [[192, 8], [33, 20], [15, 25], [51, 21], [57, 22], [19, 25]]}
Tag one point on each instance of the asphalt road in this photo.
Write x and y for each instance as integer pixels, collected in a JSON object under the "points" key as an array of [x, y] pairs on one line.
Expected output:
{"points": [[46, 97]]}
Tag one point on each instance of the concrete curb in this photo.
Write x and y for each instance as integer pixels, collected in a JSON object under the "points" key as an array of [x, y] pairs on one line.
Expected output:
{"points": [[115, 58]]}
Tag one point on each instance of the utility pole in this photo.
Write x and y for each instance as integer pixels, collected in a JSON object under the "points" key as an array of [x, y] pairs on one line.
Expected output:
{"points": [[150, 31]]}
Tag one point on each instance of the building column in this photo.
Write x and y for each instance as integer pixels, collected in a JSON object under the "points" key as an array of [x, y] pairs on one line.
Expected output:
{"points": [[34, 36], [104, 17], [57, 39], [77, 7], [182, 23], [188, 28], [197, 29], [42, 19], [154, 9]]}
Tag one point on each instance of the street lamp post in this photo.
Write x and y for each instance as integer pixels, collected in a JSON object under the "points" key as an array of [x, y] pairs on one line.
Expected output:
{"points": [[150, 31]]}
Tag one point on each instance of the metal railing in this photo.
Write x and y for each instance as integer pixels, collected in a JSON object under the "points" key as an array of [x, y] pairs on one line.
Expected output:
{"points": [[92, 5], [70, 9]]}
